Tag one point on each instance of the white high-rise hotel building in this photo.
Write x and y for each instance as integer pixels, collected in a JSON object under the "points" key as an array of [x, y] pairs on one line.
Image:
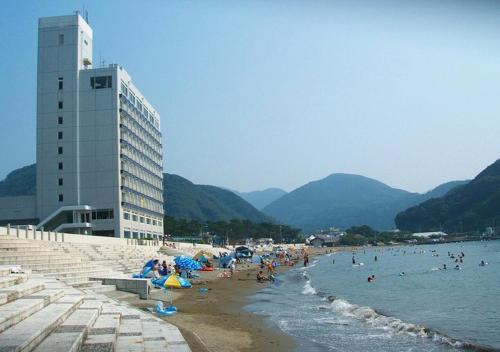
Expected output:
{"points": [[99, 149]]}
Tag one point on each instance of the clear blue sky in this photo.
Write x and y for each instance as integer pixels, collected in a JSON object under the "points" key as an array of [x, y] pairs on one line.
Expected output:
{"points": [[255, 94]]}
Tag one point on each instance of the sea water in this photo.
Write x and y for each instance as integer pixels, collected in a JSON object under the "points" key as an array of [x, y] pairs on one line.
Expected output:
{"points": [[330, 305]]}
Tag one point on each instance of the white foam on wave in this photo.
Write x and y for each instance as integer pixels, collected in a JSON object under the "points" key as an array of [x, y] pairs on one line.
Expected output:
{"points": [[308, 289], [389, 324], [369, 316]]}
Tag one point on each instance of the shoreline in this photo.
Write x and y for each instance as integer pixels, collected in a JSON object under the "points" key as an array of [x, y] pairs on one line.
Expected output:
{"points": [[215, 321], [223, 324]]}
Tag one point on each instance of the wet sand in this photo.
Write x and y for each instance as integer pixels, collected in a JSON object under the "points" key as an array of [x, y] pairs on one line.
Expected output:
{"points": [[215, 321]]}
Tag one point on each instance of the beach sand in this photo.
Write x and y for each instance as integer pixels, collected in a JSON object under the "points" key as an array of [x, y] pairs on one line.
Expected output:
{"points": [[215, 321]]}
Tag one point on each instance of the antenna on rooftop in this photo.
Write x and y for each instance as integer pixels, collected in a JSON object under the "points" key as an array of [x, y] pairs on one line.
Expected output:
{"points": [[85, 13]]}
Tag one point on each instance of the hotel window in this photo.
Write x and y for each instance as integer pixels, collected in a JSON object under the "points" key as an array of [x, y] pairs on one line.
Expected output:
{"points": [[102, 214], [59, 135], [134, 217], [60, 120], [61, 39], [141, 219], [61, 197], [126, 216], [60, 105], [60, 165], [101, 82], [59, 150], [60, 181], [124, 89], [126, 234], [60, 83], [148, 221]]}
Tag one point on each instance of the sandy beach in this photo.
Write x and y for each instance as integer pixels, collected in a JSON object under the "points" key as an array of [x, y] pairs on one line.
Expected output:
{"points": [[215, 320]]}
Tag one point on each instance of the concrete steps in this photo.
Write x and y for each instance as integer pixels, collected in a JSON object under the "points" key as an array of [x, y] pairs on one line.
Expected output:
{"points": [[14, 312], [70, 334], [11, 293], [44, 315], [28, 333]]}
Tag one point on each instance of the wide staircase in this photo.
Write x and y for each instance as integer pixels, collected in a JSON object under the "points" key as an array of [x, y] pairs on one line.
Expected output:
{"points": [[75, 263], [45, 315]]}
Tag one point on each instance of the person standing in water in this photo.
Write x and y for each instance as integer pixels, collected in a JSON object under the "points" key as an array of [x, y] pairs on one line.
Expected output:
{"points": [[353, 260], [376, 258]]}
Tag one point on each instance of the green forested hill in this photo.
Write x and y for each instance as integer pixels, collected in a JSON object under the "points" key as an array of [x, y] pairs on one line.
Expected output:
{"points": [[184, 199], [20, 182], [470, 207], [345, 200]]}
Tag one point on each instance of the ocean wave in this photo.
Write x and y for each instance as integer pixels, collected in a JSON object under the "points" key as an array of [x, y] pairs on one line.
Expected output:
{"points": [[308, 289], [397, 326], [375, 319]]}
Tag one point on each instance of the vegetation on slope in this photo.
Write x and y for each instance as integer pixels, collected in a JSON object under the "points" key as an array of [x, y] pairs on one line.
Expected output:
{"points": [[468, 208]]}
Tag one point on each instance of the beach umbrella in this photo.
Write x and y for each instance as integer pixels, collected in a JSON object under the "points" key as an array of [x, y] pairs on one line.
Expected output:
{"points": [[175, 281], [187, 263]]}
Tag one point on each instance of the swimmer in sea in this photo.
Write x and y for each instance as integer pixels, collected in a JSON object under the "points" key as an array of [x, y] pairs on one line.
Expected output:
{"points": [[444, 266]]}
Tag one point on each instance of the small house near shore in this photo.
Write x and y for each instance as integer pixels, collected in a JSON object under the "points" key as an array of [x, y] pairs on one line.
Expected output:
{"points": [[322, 241]]}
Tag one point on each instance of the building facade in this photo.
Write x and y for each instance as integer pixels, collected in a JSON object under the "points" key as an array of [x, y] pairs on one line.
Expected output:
{"points": [[99, 144]]}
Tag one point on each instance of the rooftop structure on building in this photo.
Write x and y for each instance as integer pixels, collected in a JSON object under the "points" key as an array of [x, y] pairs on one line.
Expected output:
{"points": [[99, 144]]}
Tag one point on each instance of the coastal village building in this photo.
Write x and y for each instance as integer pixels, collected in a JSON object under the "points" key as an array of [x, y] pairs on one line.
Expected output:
{"points": [[99, 147]]}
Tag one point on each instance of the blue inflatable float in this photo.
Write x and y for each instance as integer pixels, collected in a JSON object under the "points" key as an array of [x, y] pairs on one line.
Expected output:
{"points": [[166, 311]]}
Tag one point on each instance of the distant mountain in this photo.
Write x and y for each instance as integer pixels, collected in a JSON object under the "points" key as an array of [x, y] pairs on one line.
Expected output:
{"points": [[442, 189], [259, 199], [345, 200], [20, 182], [185, 200], [469, 207]]}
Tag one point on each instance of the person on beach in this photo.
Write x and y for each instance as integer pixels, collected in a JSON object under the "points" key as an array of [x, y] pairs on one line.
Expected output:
{"points": [[270, 268], [261, 277], [232, 267], [164, 268]]}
